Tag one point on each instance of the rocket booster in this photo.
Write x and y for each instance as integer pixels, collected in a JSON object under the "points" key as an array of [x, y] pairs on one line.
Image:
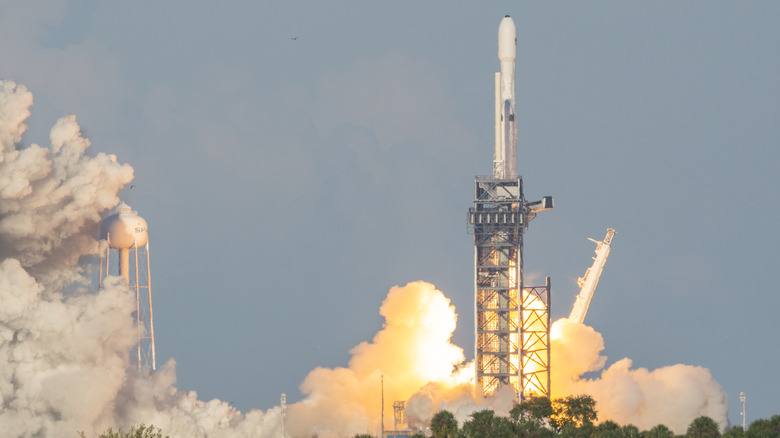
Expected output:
{"points": [[505, 158], [590, 280]]}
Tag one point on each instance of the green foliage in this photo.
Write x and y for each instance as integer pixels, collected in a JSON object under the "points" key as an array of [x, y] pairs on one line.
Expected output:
{"points": [[660, 431], [140, 431], [484, 424], [418, 435], [531, 418], [703, 427], [532, 429], [764, 428], [480, 425], [734, 432], [608, 429], [631, 431], [363, 435], [444, 425], [573, 431], [578, 411], [502, 428], [536, 409], [574, 417]]}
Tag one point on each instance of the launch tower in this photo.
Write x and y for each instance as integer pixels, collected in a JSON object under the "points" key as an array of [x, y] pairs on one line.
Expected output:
{"points": [[512, 321], [128, 241]]}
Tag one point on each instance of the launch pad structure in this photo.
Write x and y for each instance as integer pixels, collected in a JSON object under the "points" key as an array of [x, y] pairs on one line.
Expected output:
{"points": [[512, 321]]}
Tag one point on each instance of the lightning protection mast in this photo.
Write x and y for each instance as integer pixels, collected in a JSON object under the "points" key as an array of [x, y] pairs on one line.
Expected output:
{"points": [[128, 241], [512, 321]]}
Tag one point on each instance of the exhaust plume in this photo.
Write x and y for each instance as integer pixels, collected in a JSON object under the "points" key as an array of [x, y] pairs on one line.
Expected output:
{"points": [[672, 395], [412, 349]]}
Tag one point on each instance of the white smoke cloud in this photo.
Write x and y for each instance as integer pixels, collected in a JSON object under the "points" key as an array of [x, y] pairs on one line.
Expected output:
{"points": [[51, 198], [64, 363], [412, 349], [672, 395]]}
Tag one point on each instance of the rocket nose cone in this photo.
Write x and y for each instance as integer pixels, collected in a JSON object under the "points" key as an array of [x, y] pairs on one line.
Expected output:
{"points": [[507, 39]]}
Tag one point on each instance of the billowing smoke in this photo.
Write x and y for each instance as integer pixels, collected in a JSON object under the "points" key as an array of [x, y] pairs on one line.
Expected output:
{"points": [[672, 395], [412, 349], [64, 363]]}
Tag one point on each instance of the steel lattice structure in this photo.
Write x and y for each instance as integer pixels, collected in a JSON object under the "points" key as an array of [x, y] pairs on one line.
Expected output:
{"points": [[512, 330], [535, 335]]}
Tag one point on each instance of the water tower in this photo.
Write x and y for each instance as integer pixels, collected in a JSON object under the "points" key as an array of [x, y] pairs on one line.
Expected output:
{"points": [[128, 244]]}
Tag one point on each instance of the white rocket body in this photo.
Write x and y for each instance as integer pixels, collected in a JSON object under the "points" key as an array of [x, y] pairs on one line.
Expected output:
{"points": [[590, 280], [505, 159]]}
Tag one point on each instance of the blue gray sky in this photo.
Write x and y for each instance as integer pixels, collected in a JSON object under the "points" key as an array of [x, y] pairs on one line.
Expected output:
{"points": [[295, 160]]}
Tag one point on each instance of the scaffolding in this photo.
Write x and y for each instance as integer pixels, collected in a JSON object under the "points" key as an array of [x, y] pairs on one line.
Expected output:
{"points": [[512, 329], [535, 335]]}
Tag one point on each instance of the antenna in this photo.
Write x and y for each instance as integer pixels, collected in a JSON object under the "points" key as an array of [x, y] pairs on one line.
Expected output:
{"points": [[127, 234], [742, 400], [382, 416]]}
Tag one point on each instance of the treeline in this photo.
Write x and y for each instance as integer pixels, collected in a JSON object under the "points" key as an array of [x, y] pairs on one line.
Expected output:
{"points": [[575, 416]]}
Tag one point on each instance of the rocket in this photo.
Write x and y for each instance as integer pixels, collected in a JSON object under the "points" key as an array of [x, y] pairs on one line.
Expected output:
{"points": [[505, 158], [590, 280]]}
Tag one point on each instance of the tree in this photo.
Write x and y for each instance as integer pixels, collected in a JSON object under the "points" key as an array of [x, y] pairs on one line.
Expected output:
{"points": [[444, 425], [484, 424], [536, 409], [659, 431], [764, 428], [502, 427], [703, 427], [531, 429], [608, 429], [140, 431], [631, 431], [575, 410], [480, 425], [572, 431], [363, 435], [734, 432]]}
